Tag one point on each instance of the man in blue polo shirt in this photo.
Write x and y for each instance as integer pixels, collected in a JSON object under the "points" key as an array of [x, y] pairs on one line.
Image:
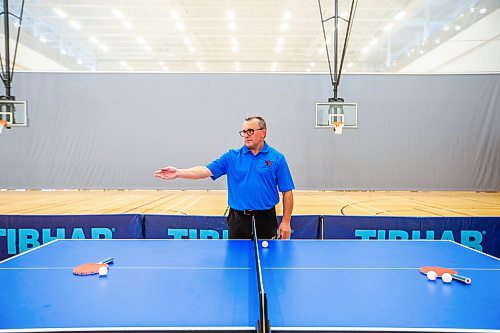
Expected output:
{"points": [[255, 173]]}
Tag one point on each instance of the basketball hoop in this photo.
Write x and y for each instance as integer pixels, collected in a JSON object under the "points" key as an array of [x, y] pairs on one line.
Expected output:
{"points": [[337, 127], [3, 124]]}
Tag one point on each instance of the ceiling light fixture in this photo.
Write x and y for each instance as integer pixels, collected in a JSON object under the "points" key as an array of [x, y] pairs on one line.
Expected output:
{"points": [[60, 12], [117, 13], [400, 15], [174, 14], [75, 24], [128, 25], [179, 26]]}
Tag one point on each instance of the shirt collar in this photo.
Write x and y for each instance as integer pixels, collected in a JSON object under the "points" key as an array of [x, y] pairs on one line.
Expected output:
{"points": [[264, 149]]}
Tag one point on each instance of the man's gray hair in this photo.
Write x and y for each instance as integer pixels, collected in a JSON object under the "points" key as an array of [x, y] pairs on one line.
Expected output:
{"points": [[261, 120]]}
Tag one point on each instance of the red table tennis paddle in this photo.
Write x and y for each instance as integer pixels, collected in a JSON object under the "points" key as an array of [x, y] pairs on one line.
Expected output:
{"points": [[442, 270], [91, 268]]}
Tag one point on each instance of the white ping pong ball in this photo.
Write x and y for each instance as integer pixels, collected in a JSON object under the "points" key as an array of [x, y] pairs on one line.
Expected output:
{"points": [[447, 277], [265, 244], [103, 271], [431, 275]]}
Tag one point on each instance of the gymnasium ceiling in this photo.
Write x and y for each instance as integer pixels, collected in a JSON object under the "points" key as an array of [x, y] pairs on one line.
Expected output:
{"points": [[388, 36]]}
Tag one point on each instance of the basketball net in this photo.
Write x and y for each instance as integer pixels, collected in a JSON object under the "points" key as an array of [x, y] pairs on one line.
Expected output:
{"points": [[337, 127], [3, 124]]}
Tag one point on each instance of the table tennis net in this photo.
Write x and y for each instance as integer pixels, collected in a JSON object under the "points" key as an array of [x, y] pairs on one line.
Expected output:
{"points": [[263, 325]]}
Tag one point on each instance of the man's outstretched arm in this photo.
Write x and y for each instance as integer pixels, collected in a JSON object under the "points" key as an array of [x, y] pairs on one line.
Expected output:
{"points": [[170, 172]]}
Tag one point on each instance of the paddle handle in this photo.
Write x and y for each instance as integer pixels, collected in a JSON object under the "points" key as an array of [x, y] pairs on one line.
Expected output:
{"points": [[461, 278], [107, 261]]}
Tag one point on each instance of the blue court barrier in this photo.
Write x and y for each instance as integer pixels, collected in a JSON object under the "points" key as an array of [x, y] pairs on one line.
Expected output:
{"points": [[19, 233], [215, 227], [480, 233], [184, 227]]}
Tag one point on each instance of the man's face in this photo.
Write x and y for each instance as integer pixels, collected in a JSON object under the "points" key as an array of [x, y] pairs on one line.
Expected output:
{"points": [[253, 140]]}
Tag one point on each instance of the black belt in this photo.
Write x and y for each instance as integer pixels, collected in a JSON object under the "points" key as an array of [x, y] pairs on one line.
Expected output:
{"points": [[253, 211]]}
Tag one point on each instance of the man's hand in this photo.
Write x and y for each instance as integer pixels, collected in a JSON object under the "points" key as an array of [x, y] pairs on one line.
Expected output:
{"points": [[170, 172], [167, 173], [284, 231]]}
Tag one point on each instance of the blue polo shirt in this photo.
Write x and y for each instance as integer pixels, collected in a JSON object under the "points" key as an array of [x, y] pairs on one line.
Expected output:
{"points": [[253, 181]]}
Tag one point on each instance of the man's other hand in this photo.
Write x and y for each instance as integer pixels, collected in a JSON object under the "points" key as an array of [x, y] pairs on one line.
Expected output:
{"points": [[169, 172]]}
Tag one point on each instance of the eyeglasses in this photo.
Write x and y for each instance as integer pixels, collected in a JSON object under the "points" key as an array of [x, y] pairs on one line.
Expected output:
{"points": [[249, 131]]}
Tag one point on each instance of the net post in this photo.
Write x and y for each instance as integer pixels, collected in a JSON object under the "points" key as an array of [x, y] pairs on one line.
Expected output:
{"points": [[321, 227]]}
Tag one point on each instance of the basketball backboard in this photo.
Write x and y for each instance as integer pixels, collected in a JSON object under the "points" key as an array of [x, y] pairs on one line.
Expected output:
{"points": [[15, 113], [328, 113]]}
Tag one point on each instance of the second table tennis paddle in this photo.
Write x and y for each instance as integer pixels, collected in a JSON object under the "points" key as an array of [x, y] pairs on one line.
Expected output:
{"points": [[442, 270], [91, 268]]}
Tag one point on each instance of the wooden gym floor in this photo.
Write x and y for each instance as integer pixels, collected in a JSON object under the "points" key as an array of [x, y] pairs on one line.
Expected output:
{"points": [[368, 203]]}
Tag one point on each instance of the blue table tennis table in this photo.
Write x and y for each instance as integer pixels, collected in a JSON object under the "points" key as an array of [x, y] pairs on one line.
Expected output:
{"points": [[211, 285]]}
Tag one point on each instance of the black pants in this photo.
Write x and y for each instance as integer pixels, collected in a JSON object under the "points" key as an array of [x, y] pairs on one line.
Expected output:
{"points": [[239, 223]]}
